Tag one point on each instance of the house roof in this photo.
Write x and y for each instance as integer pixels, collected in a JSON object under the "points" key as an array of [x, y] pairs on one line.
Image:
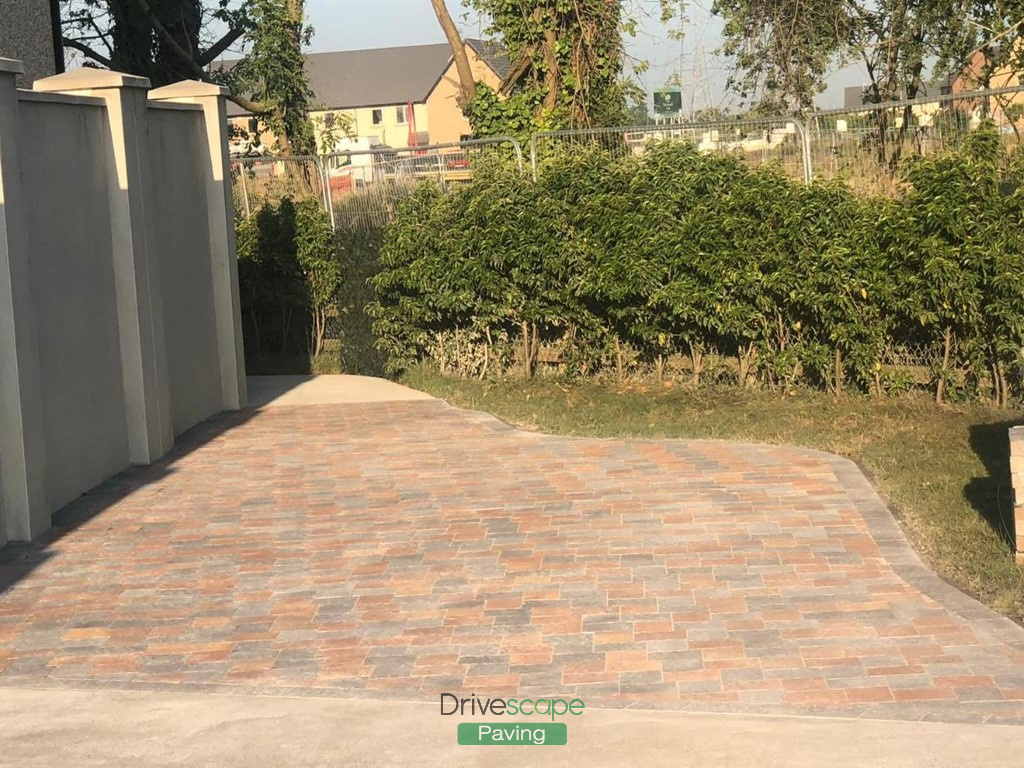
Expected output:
{"points": [[384, 76]]}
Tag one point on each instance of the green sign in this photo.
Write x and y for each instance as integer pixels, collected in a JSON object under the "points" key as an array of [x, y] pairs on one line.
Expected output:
{"points": [[668, 101], [516, 734]]}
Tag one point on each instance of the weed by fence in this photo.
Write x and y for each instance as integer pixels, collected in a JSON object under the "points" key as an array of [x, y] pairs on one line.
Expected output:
{"points": [[257, 181], [866, 146], [754, 141]]}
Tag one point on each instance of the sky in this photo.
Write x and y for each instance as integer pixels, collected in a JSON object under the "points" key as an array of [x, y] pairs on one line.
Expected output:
{"points": [[355, 24]]}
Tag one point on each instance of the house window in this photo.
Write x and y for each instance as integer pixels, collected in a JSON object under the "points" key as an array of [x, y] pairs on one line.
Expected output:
{"points": [[400, 115], [329, 120], [378, 116]]}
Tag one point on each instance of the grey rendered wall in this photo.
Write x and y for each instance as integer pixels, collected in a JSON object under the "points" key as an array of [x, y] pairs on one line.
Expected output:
{"points": [[179, 234], [73, 291], [119, 316], [26, 34]]}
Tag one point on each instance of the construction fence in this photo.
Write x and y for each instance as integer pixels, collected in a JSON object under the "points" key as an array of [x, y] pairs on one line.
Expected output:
{"points": [[361, 189], [864, 146]]}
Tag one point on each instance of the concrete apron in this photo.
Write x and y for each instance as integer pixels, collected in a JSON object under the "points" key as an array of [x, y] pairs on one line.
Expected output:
{"points": [[274, 391], [76, 728]]}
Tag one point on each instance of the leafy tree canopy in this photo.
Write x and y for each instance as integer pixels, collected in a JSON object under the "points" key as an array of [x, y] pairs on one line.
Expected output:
{"points": [[783, 50], [171, 40], [568, 63]]}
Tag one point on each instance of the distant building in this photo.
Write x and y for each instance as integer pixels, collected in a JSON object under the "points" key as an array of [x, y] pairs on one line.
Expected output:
{"points": [[971, 79], [27, 34], [398, 97], [857, 96]]}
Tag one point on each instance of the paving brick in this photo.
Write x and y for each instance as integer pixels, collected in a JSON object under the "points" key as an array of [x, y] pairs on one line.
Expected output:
{"points": [[406, 549]]}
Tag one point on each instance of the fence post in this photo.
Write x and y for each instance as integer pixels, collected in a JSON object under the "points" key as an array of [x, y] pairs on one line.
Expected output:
{"points": [[533, 154], [220, 215], [140, 312], [805, 149], [24, 507], [245, 190], [328, 192]]}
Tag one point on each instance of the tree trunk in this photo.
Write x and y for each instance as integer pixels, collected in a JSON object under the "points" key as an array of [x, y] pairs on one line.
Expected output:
{"points": [[838, 373], [696, 363], [467, 83], [745, 358], [527, 350], [552, 77]]}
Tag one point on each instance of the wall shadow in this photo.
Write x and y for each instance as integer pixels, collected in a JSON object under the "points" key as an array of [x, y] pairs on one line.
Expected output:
{"points": [[19, 559], [992, 495]]}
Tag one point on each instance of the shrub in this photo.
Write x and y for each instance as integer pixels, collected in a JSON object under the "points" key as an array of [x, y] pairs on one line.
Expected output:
{"points": [[288, 275], [616, 263]]}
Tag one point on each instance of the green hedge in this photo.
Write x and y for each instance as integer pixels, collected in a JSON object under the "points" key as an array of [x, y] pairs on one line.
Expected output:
{"points": [[675, 259], [289, 278]]}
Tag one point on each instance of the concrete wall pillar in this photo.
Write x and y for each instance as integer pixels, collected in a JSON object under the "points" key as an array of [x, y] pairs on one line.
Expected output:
{"points": [[24, 508], [1017, 487], [220, 202], [137, 278]]}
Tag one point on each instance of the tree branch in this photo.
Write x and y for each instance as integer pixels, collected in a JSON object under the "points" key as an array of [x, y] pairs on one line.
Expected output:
{"points": [[516, 73], [467, 83], [89, 52], [220, 46], [191, 64]]}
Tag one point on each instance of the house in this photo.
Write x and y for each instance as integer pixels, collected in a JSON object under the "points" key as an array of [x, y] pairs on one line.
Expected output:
{"points": [[1005, 109], [30, 32], [857, 102], [399, 97], [857, 96]]}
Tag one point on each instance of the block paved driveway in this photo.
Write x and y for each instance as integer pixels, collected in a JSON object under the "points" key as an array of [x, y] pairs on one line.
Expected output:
{"points": [[404, 549]]}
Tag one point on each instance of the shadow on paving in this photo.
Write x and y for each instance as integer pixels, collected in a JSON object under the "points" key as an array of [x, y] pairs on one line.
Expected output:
{"points": [[19, 559], [992, 495]]}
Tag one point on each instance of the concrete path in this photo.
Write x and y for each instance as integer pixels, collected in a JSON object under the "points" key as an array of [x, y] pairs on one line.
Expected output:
{"points": [[368, 543], [277, 391], [82, 729]]}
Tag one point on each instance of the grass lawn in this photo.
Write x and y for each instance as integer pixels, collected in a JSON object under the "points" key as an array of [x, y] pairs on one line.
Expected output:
{"points": [[944, 472]]}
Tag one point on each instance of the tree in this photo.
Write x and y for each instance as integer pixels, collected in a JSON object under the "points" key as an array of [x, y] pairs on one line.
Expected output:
{"points": [[781, 49], [171, 40], [567, 60], [467, 83], [163, 40], [274, 72], [980, 38]]}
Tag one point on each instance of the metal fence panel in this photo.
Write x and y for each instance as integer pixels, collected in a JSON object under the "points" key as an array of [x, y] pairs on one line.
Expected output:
{"points": [[365, 187], [867, 145], [361, 188], [260, 180]]}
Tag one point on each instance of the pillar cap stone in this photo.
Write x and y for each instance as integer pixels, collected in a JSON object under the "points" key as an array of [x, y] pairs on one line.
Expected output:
{"points": [[89, 79], [13, 66], [187, 89]]}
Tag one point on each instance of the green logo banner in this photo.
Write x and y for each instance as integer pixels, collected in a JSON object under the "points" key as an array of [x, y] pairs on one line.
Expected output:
{"points": [[520, 734]]}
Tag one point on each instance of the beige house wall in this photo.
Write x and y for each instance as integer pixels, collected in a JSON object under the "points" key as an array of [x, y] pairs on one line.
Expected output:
{"points": [[360, 124], [1007, 77], [440, 117], [119, 316], [447, 122]]}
